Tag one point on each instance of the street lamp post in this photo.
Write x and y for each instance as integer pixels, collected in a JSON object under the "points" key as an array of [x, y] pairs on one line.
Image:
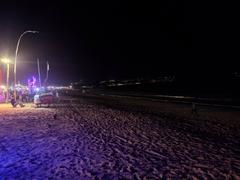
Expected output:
{"points": [[15, 60], [7, 62], [7, 82]]}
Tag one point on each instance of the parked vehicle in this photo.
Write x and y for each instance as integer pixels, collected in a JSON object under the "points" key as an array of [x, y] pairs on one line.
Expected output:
{"points": [[44, 98]]}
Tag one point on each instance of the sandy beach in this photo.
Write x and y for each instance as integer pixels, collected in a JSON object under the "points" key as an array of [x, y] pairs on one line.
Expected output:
{"points": [[81, 140]]}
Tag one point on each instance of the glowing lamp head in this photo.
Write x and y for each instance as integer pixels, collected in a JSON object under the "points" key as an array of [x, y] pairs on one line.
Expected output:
{"points": [[3, 87], [6, 60]]}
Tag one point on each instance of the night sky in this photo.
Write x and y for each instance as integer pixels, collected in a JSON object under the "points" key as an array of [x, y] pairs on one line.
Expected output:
{"points": [[101, 40]]}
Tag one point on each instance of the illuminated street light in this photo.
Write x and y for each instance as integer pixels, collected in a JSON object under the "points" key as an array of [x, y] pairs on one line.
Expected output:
{"points": [[7, 62], [15, 61]]}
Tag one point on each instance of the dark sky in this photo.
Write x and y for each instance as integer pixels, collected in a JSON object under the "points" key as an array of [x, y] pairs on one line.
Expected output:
{"points": [[100, 40]]}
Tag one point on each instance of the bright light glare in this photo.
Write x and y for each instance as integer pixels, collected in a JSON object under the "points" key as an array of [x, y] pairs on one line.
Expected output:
{"points": [[3, 87], [6, 60]]}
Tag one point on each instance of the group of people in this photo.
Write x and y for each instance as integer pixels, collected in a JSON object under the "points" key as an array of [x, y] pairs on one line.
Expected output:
{"points": [[21, 96], [16, 101], [25, 96]]}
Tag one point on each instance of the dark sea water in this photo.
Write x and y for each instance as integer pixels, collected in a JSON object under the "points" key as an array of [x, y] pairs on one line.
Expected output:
{"points": [[226, 93]]}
